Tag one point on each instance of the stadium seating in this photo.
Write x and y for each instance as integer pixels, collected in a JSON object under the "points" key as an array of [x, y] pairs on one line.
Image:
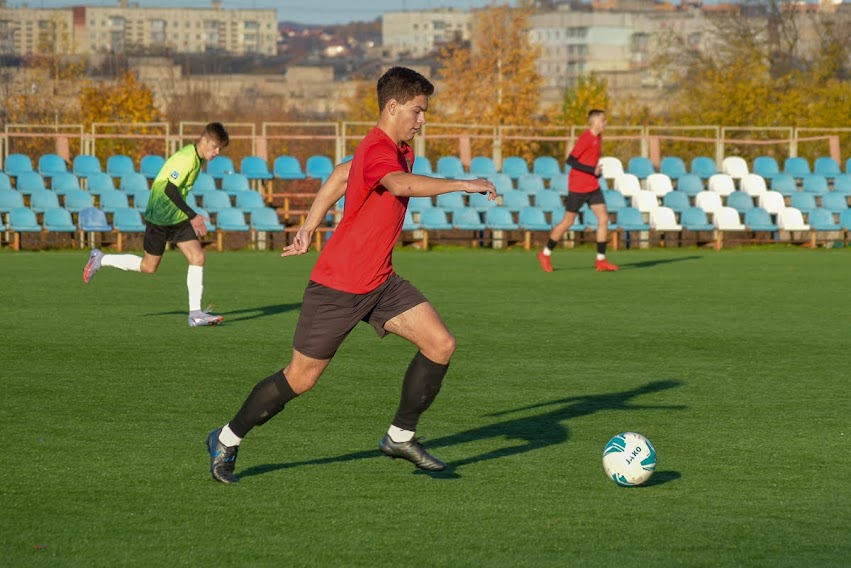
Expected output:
{"points": [[216, 201], [151, 165], [42, 200], [51, 164], [434, 219], [515, 167], [63, 182], [804, 202], [249, 200], [835, 202], [659, 184], [815, 183], [232, 184], [112, 200], [422, 166], [549, 200], [533, 219], [131, 183], [450, 167], [98, 183], [695, 219], [85, 166], [319, 167], [78, 199], [645, 201], [827, 167], [735, 167], [482, 166], [128, 221], [845, 219], [771, 201], [612, 167], [288, 168], [204, 183], [664, 219], [842, 184], [419, 204], [500, 219], [673, 166], [265, 219], [219, 167], [409, 223], [119, 165], [530, 183], [480, 202], [515, 200], [28, 182], [628, 185], [766, 167], [58, 220], [255, 168], [451, 202], [690, 184], [722, 184], [23, 220], [5, 182], [231, 220], [759, 220], [140, 200], [822, 220], [10, 199], [791, 219], [640, 167], [704, 167], [676, 200], [206, 215], [753, 185], [467, 219], [709, 201], [740, 201], [727, 219], [797, 167], [93, 220], [589, 219], [629, 219], [784, 184], [16, 164], [547, 167], [502, 183]]}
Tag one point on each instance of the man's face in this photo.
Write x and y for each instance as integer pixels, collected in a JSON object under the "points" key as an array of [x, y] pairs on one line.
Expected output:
{"points": [[598, 123], [208, 148], [410, 117]]}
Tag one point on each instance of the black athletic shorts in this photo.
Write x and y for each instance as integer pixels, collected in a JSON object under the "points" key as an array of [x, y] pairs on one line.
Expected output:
{"points": [[327, 315], [156, 236], [575, 200]]}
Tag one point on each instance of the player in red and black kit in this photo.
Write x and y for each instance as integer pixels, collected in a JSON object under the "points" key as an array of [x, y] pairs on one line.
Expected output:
{"points": [[353, 280], [584, 187]]}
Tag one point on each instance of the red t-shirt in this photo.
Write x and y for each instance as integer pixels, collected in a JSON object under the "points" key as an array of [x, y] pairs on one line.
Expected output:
{"points": [[587, 151], [358, 256]]}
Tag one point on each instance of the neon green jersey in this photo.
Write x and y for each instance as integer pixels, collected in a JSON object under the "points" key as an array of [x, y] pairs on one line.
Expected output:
{"points": [[181, 169]]}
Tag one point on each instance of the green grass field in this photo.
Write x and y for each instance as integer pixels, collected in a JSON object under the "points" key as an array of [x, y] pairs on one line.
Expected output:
{"points": [[735, 365]]}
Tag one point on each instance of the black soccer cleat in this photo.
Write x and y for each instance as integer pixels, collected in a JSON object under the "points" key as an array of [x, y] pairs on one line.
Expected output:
{"points": [[412, 451], [222, 458]]}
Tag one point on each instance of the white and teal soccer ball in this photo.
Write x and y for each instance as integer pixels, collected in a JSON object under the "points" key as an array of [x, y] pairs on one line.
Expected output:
{"points": [[629, 459]]}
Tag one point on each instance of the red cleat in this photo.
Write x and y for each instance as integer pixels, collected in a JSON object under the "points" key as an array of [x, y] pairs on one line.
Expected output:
{"points": [[606, 266], [546, 265]]}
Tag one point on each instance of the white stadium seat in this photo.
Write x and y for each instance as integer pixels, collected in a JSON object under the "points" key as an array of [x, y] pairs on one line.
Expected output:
{"points": [[722, 184], [645, 201], [753, 185], [612, 167], [709, 201], [727, 219], [627, 184], [735, 167], [664, 219], [791, 219], [659, 184], [772, 201]]}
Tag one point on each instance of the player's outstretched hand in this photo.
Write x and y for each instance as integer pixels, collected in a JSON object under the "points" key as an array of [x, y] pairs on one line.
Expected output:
{"points": [[198, 225], [483, 186], [300, 244]]}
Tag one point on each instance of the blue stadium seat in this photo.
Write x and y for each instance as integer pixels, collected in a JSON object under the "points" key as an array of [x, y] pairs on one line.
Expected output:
{"points": [[98, 183], [834, 201], [704, 167], [690, 184], [796, 166], [220, 166], [231, 220], [548, 200], [112, 200], [287, 167], [676, 200], [502, 183], [766, 166], [559, 183], [740, 201], [842, 184], [319, 167], [434, 219], [758, 219], [10, 199], [42, 200], [500, 219], [805, 202], [140, 200], [673, 166], [467, 219], [514, 167], [119, 165], [480, 202], [640, 167], [255, 167], [451, 202], [815, 183], [233, 184], [822, 220], [615, 200], [250, 200], [151, 165], [78, 199], [16, 164], [5, 182], [589, 219], [28, 182], [450, 166], [419, 204], [482, 166], [515, 200], [422, 166], [784, 184], [848, 166], [63, 182], [204, 183], [58, 220], [845, 219], [265, 219], [128, 221], [827, 167], [533, 219], [131, 183], [51, 164], [410, 224], [84, 166], [93, 220], [547, 167], [695, 219], [23, 220], [217, 201], [530, 183]]}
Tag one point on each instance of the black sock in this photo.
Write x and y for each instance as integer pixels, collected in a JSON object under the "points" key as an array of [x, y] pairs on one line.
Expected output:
{"points": [[601, 248], [420, 387], [266, 400], [551, 244]]}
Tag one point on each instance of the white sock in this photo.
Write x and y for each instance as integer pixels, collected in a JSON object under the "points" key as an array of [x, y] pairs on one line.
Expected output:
{"points": [[601, 256], [547, 252], [195, 283], [228, 438], [129, 262], [398, 435]]}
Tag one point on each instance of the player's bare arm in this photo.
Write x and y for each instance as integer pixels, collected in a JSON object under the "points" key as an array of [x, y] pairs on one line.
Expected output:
{"points": [[403, 184], [330, 193]]}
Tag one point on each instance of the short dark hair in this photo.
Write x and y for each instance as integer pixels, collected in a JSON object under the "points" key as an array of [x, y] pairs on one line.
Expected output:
{"points": [[402, 84], [216, 131], [594, 112]]}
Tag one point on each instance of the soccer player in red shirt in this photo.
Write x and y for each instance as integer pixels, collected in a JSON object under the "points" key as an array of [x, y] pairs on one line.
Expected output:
{"points": [[583, 186], [353, 280]]}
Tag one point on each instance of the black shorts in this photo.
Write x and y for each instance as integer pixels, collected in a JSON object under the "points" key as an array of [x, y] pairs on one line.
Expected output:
{"points": [[575, 200], [156, 236], [327, 315]]}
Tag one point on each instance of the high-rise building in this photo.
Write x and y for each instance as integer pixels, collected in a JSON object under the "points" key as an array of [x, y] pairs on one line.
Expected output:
{"points": [[419, 33]]}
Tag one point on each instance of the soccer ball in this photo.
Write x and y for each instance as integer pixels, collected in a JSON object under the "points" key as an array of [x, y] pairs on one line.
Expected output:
{"points": [[629, 459]]}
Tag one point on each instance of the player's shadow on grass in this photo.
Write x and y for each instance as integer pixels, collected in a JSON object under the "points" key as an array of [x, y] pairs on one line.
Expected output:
{"points": [[244, 314], [656, 262], [530, 432]]}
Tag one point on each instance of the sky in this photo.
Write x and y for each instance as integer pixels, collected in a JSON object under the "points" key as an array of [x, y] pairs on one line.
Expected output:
{"points": [[322, 12]]}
